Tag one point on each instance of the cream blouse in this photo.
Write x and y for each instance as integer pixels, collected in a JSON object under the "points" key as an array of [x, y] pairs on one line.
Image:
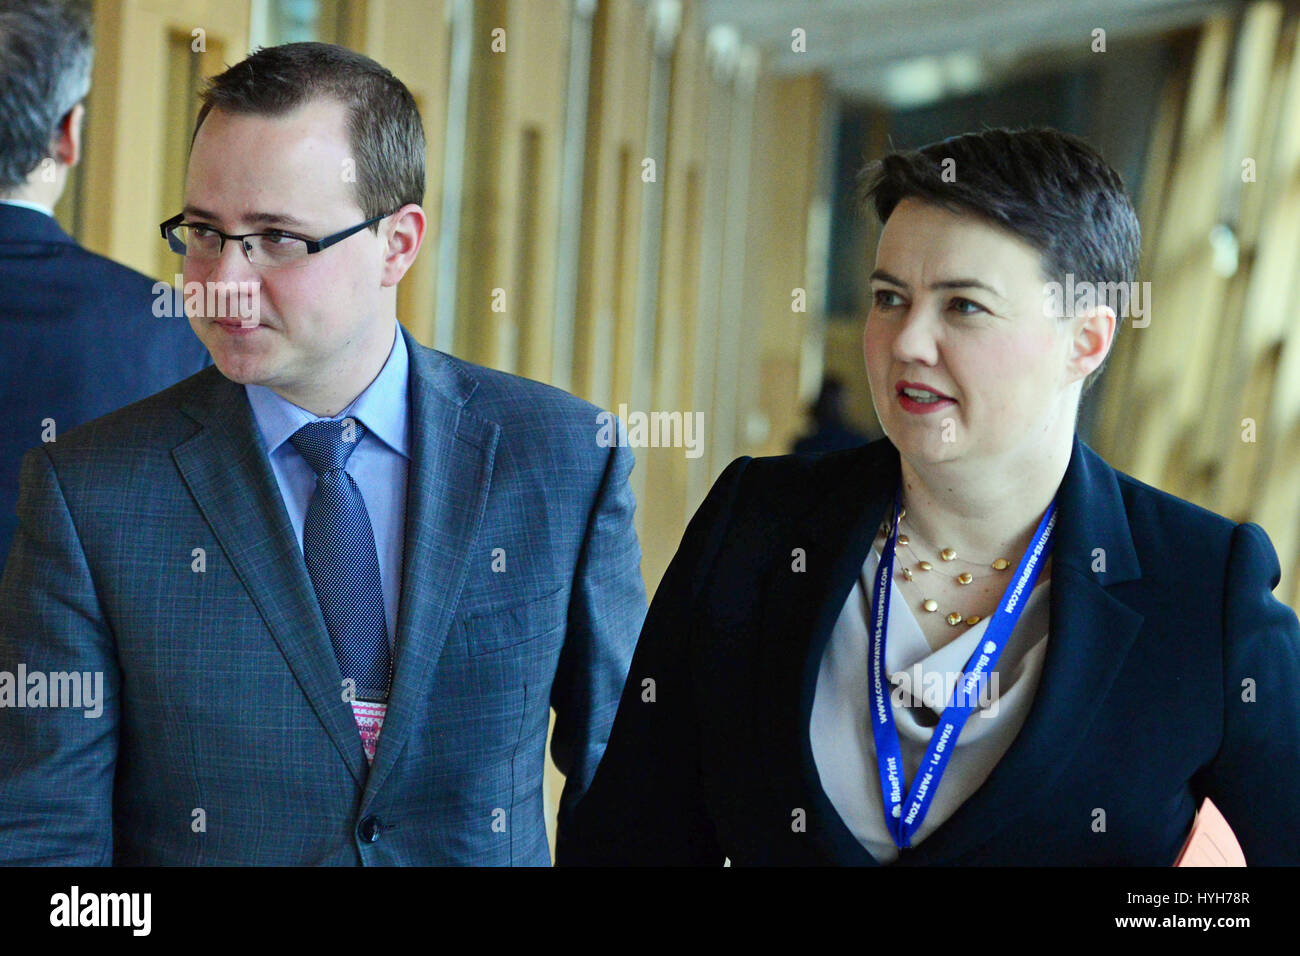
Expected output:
{"points": [[843, 746]]}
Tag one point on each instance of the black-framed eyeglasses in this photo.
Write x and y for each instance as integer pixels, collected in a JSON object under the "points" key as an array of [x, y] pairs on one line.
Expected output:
{"points": [[275, 248]]}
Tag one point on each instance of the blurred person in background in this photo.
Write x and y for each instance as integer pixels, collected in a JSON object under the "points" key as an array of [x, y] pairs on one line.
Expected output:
{"points": [[78, 336], [972, 641], [830, 431]]}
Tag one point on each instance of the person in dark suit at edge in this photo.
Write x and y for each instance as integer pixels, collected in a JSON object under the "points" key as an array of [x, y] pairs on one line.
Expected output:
{"points": [[78, 333], [972, 641]]}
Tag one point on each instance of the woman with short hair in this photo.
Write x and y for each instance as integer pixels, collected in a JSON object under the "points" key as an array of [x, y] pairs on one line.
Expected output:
{"points": [[972, 641]]}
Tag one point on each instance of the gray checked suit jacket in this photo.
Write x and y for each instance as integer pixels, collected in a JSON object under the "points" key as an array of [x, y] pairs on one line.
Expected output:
{"points": [[223, 736]]}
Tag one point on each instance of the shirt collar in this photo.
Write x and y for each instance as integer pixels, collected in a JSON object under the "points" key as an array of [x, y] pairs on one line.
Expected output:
{"points": [[382, 408], [29, 205]]}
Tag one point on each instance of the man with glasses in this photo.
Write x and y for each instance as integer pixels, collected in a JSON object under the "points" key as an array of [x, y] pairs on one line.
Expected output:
{"points": [[78, 333], [335, 584], [262, 248]]}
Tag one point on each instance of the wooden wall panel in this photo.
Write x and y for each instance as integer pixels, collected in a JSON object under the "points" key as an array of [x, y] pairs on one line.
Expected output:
{"points": [[131, 160], [1212, 383], [414, 41]]}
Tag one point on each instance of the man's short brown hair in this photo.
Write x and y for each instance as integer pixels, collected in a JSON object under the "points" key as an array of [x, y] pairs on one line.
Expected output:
{"points": [[383, 122]]}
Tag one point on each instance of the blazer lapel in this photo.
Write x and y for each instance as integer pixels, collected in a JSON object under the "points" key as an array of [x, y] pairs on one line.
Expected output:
{"points": [[227, 471], [799, 612], [447, 488], [1091, 631]]}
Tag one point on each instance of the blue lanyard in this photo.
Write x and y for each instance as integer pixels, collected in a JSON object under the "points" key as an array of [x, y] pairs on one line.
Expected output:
{"points": [[902, 822]]}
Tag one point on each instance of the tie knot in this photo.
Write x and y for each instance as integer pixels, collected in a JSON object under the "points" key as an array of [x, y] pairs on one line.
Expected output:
{"points": [[327, 445]]}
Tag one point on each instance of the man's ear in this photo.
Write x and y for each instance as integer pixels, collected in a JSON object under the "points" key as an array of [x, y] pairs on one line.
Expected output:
{"points": [[66, 147], [405, 232], [1092, 333]]}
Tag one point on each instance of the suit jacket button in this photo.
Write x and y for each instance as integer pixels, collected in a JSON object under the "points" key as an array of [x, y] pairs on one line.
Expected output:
{"points": [[369, 829]]}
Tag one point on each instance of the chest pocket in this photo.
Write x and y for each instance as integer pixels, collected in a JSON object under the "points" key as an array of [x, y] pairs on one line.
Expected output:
{"points": [[494, 628]]}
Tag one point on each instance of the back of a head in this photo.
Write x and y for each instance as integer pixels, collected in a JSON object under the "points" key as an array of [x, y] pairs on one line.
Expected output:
{"points": [[46, 54], [383, 121], [1051, 189], [828, 407]]}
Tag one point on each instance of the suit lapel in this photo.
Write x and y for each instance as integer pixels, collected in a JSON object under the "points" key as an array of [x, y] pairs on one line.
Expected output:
{"points": [[447, 488], [799, 612], [1091, 633], [226, 469]]}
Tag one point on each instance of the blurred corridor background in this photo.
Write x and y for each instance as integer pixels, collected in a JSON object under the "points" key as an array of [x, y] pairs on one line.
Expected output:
{"points": [[649, 202]]}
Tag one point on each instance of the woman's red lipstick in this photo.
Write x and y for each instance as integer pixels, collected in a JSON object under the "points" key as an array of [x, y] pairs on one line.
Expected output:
{"points": [[918, 406]]}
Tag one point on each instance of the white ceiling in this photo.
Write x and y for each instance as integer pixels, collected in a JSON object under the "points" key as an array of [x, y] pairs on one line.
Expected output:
{"points": [[904, 52]]}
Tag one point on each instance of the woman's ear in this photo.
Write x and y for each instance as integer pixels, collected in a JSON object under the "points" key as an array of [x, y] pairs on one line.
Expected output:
{"points": [[1093, 332]]}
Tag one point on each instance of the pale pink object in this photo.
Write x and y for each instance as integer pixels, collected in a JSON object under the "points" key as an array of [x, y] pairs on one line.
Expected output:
{"points": [[1211, 842]]}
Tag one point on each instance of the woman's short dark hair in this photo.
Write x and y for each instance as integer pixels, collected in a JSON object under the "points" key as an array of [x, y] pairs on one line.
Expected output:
{"points": [[383, 122], [1049, 188], [46, 54]]}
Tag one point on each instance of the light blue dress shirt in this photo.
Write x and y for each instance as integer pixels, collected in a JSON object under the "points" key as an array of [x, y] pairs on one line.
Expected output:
{"points": [[378, 465]]}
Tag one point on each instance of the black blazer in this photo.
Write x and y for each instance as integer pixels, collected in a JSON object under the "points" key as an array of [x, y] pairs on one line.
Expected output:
{"points": [[78, 339], [1139, 711]]}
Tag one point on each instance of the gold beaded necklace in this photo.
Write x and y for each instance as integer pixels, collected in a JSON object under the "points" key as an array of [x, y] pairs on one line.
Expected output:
{"points": [[929, 605]]}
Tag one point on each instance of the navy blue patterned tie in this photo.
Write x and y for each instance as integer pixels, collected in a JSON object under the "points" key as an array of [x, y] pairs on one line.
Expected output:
{"points": [[338, 545]]}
